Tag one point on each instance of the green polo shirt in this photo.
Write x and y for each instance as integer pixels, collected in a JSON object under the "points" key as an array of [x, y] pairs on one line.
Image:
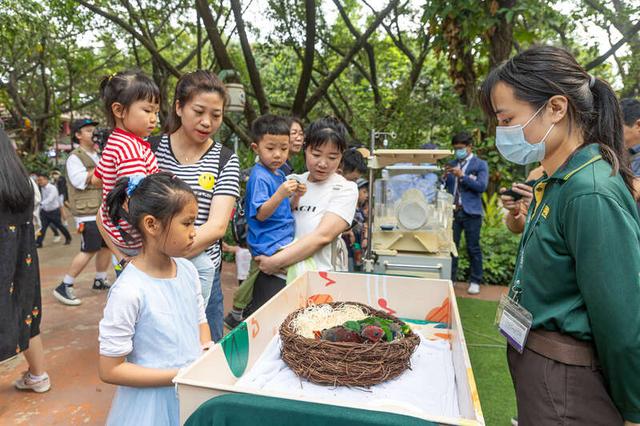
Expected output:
{"points": [[579, 267]]}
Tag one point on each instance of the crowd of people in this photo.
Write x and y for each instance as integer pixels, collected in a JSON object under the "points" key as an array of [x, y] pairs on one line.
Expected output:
{"points": [[161, 206]]}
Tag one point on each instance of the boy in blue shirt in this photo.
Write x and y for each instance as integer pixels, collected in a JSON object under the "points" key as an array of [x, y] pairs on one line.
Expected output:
{"points": [[267, 203]]}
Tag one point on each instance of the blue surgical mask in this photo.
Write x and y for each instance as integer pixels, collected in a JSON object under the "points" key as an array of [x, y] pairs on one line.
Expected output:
{"points": [[513, 146], [461, 153]]}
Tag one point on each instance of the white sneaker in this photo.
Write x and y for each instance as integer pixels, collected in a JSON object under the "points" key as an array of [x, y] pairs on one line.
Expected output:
{"points": [[27, 383], [474, 288], [57, 238]]}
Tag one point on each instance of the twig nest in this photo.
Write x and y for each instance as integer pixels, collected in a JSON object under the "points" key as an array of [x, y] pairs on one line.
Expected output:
{"points": [[345, 363]]}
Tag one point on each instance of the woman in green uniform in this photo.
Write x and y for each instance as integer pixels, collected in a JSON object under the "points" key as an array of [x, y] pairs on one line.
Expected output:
{"points": [[576, 288]]}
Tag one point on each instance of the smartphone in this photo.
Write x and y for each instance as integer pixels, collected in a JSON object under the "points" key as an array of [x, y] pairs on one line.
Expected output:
{"points": [[511, 193]]}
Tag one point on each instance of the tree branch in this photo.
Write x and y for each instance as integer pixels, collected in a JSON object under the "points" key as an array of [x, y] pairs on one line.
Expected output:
{"points": [[318, 93], [373, 76], [252, 69], [600, 60], [128, 28], [309, 53]]}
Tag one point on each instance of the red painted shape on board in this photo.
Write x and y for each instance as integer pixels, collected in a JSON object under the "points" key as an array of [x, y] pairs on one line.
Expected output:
{"points": [[324, 275], [382, 302]]}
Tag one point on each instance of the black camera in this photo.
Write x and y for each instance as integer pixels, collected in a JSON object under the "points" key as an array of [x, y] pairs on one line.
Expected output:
{"points": [[100, 136]]}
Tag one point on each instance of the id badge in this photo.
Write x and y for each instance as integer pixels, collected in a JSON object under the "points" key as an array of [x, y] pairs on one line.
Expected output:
{"points": [[514, 322]]}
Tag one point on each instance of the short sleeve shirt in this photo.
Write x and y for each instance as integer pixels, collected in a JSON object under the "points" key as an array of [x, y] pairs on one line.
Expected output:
{"points": [[335, 195], [125, 155], [205, 181], [270, 235]]}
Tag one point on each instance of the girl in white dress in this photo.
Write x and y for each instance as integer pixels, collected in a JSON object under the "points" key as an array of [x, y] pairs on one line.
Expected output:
{"points": [[154, 322]]}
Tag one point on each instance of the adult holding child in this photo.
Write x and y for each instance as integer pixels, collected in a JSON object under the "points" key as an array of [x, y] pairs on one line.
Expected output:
{"points": [[188, 150], [575, 287], [323, 213]]}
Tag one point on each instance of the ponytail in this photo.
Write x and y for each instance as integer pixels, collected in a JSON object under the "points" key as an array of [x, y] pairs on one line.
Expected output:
{"points": [[115, 207], [606, 130], [160, 195]]}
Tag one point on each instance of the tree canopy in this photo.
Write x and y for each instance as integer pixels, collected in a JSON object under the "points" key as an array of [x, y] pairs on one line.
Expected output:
{"points": [[409, 66]]}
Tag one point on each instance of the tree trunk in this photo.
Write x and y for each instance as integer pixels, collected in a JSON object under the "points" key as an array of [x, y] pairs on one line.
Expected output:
{"points": [[501, 36]]}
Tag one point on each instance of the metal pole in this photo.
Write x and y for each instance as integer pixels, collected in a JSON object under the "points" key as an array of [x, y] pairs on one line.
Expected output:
{"points": [[368, 262]]}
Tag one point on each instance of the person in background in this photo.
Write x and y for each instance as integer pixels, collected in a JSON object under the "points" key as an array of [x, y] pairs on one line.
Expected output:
{"points": [[50, 210], [296, 140], [84, 202], [20, 299], [60, 181], [631, 131], [466, 178], [242, 260], [354, 165], [356, 237]]}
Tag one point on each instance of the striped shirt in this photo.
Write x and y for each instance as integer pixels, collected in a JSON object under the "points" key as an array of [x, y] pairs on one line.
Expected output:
{"points": [[125, 155], [203, 178]]}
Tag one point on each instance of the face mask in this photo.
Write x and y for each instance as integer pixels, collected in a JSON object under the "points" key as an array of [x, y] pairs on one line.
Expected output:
{"points": [[461, 153], [513, 146]]}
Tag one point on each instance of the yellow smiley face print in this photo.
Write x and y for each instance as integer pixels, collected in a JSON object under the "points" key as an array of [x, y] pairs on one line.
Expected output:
{"points": [[206, 181]]}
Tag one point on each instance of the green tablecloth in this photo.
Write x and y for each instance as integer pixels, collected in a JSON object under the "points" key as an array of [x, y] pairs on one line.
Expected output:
{"points": [[251, 410]]}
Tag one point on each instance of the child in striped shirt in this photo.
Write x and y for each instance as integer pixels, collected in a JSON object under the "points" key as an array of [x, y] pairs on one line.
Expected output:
{"points": [[132, 102]]}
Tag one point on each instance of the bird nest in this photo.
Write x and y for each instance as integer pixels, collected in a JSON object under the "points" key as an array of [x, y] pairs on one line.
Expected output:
{"points": [[346, 363]]}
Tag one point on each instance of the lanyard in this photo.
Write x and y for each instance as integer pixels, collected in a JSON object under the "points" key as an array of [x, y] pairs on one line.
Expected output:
{"points": [[532, 220]]}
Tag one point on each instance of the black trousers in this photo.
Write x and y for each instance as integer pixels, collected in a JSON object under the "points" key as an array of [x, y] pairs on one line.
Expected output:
{"points": [[265, 287], [54, 219], [471, 225]]}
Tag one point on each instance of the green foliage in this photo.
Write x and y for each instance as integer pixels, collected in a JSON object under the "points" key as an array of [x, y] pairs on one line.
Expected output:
{"points": [[487, 351], [499, 246]]}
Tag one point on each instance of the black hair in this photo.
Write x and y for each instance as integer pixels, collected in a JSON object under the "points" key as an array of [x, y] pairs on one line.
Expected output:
{"points": [[325, 130], [16, 190], [127, 87], [294, 119], [190, 85], [463, 138], [42, 174], [161, 195], [352, 160], [541, 72], [630, 111], [269, 124]]}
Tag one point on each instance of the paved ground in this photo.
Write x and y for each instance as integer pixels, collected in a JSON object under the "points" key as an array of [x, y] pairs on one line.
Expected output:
{"points": [[78, 397]]}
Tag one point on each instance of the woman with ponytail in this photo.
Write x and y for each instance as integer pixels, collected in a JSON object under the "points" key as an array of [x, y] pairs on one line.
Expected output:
{"points": [[576, 287]]}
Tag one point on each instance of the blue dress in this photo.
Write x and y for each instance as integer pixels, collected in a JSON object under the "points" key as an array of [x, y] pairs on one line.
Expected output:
{"points": [[154, 323]]}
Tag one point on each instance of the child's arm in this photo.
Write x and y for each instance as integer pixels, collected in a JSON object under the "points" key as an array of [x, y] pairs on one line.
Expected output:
{"points": [[285, 190], [107, 238], [229, 248], [205, 334], [117, 371]]}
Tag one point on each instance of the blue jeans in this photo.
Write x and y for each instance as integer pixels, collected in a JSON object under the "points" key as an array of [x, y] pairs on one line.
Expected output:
{"points": [[206, 273], [471, 225], [215, 309]]}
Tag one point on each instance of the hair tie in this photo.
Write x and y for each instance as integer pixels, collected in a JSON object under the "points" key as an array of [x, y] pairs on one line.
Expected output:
{"points": [[134, 181], [592, 81]]}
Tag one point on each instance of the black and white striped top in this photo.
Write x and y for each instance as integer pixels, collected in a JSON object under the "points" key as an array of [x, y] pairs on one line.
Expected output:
{"points": [[203, 179]]}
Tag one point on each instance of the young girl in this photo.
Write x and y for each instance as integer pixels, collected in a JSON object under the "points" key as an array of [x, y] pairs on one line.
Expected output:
{"points": [[132, 102], [154, 322]]}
